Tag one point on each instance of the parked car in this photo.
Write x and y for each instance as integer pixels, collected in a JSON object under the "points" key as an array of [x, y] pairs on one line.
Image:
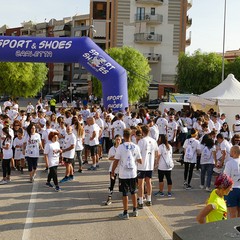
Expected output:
{"points": [[152, 104]]}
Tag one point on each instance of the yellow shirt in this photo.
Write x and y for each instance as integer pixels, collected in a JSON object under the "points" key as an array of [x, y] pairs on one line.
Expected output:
{"points": [[220, 208]]}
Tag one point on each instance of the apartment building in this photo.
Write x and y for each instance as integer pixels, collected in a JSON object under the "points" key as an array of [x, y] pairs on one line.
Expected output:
{"points": [[157, 28]]}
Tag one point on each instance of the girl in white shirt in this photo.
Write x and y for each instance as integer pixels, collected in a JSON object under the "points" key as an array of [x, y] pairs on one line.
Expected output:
{"points": [[164, 167], [51, 155], [111, 155], [7, 155], [32, 145]]}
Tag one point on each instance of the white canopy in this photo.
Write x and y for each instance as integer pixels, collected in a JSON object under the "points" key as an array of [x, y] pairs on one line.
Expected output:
{"points": [[224, 98], [229, 89]]}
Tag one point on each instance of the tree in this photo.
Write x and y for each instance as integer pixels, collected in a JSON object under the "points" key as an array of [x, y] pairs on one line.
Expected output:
{"points": [[137, 68], [234, 68], [198, 73], [22, 79]]}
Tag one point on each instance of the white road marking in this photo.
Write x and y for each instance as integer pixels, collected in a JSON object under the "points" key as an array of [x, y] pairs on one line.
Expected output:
{"points": [[30, 213], [157, 224]]}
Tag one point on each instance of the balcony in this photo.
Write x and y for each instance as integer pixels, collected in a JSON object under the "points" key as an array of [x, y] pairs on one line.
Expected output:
{"points": [[148, 18], [189, 22], [155, 2], [147, 38], [188, 41], [153, 57], [189, 4]]}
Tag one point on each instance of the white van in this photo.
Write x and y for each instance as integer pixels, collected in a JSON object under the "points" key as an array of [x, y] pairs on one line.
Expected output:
{"points": [[176, 106]]}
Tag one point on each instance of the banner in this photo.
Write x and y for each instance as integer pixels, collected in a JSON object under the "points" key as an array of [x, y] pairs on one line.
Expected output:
{"points": [[71, 50]]}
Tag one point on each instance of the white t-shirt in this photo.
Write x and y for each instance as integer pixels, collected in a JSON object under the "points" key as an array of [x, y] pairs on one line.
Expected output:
{"points": [[148, 146], [195, 144], [18, 154], [134, 122], [171, 127], [69, 140], [118, 127], [225, 145], [164, 153], [127, 154], [94, 128], [232, 169], [30, 108], [45, 134], [162, 125], [111, 153], [7, 153], [79, 141], [52, 150], [86, 134], [32, 147], [203, 159], [61, 131], [154, 133], [85, 113], [106, 129]]}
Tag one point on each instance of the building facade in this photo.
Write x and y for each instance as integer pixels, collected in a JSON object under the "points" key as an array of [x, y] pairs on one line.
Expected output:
{"points": [[157, 28]]}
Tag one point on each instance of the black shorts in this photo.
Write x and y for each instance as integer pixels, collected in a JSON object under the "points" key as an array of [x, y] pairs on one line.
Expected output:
{"points": [[144, 174], [86, 146], [127, 185], [32, 163], [68, 160], [94, 150]]}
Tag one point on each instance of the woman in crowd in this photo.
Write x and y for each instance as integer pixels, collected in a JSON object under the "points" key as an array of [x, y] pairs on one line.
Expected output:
{"points": [[225, 131], [165, 166], [51, 154], [190, 147], [207, 161], [78, 131], [32, 145], [216, 209], [7, 155], [111, 155]]}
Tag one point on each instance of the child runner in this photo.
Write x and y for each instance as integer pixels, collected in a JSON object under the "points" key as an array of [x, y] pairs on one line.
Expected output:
{"points": [[18, 154], [111, 155]]}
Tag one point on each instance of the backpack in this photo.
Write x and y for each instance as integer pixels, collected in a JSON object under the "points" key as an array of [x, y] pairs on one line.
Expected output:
{"points": [[189, 151], [206, 154]]}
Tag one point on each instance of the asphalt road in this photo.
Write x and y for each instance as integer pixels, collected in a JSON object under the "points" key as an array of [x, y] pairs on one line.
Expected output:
{"points": [[34, 212]]}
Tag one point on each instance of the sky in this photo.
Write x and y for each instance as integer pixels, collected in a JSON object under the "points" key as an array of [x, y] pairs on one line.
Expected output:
{"points": [[206, 30]]}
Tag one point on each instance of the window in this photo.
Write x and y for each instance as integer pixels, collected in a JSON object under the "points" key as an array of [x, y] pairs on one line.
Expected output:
{"points": [[140, 13], [99, 10], [152, 11]]}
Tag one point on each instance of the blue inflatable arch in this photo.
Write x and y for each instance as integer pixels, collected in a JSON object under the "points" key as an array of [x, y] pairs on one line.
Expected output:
{"points": [[71, 50]]}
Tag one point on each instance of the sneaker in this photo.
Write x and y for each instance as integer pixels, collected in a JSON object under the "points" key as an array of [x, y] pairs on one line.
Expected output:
{"points": [[2, 182], [208, 189], [31, 180], [148, 203], [123, 216], [65, 179], [97, 166], [201, 186], [57, 189], [161, 194], [48, 184], [140, 206], [92, 168], [85, 162], [188, 187], [70, 178], [169, 194], [185, 184], [135, 213], [80, 170], [108, 202]]}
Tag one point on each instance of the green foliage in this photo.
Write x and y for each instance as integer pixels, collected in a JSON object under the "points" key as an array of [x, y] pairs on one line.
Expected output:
{"points": [[234, 68], [198, 73], [137, 68], [22, 79]]}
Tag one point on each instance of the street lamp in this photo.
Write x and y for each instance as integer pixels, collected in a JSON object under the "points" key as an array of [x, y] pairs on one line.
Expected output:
{"points": [[224, 31]]}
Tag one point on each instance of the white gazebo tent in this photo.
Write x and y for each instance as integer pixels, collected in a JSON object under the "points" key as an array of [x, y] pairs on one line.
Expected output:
{"points": [[224, 98]]}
